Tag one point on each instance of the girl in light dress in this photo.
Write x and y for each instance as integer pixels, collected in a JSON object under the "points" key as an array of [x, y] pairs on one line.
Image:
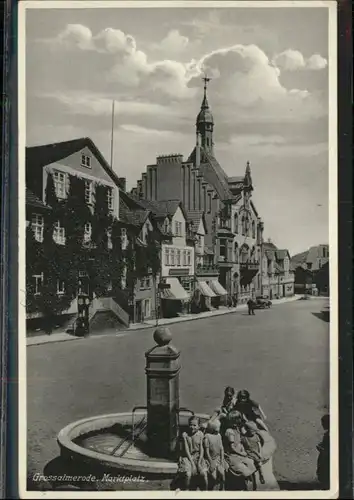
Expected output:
{"points": [[239, 464], [191, 461], [214, 453]]}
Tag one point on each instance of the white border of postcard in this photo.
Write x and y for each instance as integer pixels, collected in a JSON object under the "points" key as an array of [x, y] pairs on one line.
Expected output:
{"points": [[333, 204]]}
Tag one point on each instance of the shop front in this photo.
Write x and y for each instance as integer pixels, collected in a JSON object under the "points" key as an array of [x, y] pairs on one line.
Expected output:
{"points": [[202, 296], [174, 299], [219, 291]]}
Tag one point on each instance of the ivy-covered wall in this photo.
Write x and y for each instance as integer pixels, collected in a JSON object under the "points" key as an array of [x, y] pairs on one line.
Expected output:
{"points": [[101, 258]]}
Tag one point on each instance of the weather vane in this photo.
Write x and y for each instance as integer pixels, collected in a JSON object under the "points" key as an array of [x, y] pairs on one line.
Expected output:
{"points": [[206, 79]]}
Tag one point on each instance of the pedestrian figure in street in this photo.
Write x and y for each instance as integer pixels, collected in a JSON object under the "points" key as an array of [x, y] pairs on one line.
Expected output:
{"points": [[323, 458], [191, 463], [250, 305], [234, 300], [250, 409], [214, 454], [229, 301], [252, 444]]}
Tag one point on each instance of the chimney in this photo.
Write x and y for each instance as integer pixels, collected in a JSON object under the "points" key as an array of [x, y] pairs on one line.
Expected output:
{"points": [[122, 183], [197, 152]]}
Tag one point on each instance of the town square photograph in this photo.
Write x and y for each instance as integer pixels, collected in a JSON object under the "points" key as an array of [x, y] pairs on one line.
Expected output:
{"points": [[178, 167]]}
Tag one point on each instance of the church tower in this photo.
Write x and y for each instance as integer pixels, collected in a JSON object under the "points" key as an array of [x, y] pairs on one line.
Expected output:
{"points": [[205, 123]]}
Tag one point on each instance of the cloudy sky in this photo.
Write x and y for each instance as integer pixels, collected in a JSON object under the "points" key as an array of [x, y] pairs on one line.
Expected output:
{"points": [[268, 94]]}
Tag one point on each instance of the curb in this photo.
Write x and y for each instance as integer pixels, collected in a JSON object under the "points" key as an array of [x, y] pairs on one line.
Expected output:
{"points": [[52, 341], [145, 326]]}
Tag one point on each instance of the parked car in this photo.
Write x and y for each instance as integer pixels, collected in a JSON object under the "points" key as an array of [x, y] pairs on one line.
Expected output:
{"points": [[262, 303]]}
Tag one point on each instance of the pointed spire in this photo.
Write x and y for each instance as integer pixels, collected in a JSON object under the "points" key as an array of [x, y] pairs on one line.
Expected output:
{"points": [[205, 104], [205, 114], [248, 178]]}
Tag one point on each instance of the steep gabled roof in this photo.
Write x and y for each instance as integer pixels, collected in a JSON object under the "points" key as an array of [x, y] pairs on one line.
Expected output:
{"points": [[51, 153], [254, 208], [133, 217], [281, 254], [194, 217], [300, 258], [33, 201], [212, 173], [163, 208], [236, 179], [269, 246]]}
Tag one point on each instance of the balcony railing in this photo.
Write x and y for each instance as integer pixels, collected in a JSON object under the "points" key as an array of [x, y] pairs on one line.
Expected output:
{"points": [[205, 270], [249, 266], [223, 260]]}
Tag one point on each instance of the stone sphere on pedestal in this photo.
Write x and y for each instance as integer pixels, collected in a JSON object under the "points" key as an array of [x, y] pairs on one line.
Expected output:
{"points": [[162, 336]]}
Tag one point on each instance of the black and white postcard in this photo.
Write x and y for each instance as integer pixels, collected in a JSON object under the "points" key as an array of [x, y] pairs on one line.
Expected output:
{"points": [[178, 249]]}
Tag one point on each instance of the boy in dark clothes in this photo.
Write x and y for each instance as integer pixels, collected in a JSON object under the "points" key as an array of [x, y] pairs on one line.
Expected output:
{"points": [[250, 305], [323, 457], [250, 409]]}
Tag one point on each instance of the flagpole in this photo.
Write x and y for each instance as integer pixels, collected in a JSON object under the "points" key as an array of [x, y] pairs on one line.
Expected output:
{"points": [[112, 135]]}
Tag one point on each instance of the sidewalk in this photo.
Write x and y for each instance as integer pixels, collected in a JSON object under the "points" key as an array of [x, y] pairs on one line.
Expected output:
{"points": [[65, 337]]}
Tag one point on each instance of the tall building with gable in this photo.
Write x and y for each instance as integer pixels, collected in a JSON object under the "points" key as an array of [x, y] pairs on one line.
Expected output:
{"points": [[234, 228]]}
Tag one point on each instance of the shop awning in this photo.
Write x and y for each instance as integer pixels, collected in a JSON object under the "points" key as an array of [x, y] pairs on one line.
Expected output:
{"points": [[217, 288], [205, 289], [176, 292]]}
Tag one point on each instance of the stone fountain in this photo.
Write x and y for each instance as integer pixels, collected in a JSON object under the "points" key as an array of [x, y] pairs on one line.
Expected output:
{"points": [[144, 440]]}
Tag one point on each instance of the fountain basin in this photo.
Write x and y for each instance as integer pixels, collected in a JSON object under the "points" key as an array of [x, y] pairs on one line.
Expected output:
{"points": [[106, 441]]}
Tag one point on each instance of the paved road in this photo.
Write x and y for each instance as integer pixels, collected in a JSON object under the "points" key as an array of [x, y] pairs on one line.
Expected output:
{"points": [[281, 355]]}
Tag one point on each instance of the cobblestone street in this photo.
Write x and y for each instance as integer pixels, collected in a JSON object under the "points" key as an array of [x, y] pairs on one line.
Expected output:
{"points": [[280, 355]]}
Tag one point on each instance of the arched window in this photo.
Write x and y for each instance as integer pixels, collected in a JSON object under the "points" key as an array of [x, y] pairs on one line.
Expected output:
{"points": [[244, 254], [243, 225], [253, 229], [236, 223], [253, 254], [247, 226], [236, 253]]}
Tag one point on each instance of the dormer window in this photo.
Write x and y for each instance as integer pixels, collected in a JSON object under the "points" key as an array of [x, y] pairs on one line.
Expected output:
{"points": [[85, 160], [178, 228], [60, 184]]}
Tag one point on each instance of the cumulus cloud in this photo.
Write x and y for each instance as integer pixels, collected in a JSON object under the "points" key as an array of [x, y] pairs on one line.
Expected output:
{"points": [[75, 35], [173, 44], [243, 73], [316, 62], [292, 60]]}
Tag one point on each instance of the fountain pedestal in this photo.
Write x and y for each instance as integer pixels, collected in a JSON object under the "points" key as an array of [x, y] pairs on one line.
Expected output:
{"points": [[162, 375]]}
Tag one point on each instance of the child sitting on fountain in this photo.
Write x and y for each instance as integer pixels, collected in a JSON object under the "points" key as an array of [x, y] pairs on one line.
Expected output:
{"points": [[250, 409], [252, 444], [229, 401], [214, 453], [191, 462]]}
